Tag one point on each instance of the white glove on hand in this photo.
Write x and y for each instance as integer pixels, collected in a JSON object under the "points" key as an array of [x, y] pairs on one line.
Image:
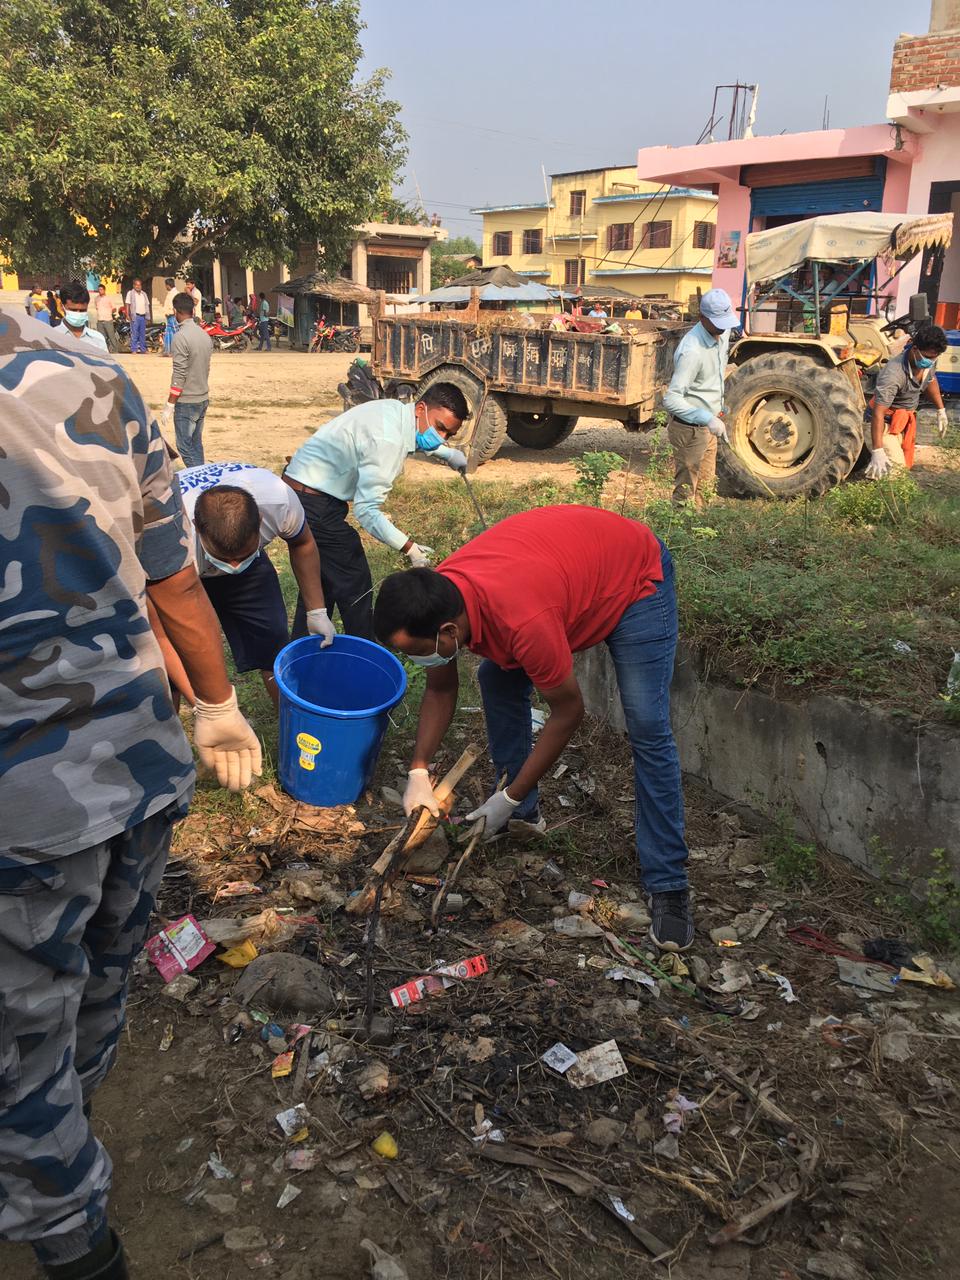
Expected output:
{"points": [[496, 812], [717, 428], [418, 792], [456, 460], [942, 423], [879, 464], [166, 417], [226, 743], [319, 624], [419, 556]]}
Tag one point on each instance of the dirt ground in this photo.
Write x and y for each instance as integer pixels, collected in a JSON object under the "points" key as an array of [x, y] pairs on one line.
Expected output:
{"points": [[851, 1126]]}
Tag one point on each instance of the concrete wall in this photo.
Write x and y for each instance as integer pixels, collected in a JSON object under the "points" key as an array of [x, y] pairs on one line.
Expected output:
{"points": [[849, 773]]}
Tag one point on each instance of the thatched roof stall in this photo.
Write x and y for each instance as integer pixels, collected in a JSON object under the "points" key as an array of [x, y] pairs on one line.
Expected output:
{"points": [[316, 295]]}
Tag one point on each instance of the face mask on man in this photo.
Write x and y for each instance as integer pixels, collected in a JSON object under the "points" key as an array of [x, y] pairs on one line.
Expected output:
{"points": [[435, 659], [922, 362], [76, 319], [429, 439], [230, 568]]}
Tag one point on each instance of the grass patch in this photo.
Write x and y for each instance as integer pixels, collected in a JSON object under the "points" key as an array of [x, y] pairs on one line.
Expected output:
{"points": [[928, 908]]}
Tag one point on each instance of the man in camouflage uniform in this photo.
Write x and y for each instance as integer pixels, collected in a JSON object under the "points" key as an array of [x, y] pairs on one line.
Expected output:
{"points": [[94, 766]]}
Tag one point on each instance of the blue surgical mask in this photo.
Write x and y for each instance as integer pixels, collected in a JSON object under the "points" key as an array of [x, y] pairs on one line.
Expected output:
{"points": [[76, 319], [923, 363], [430, 439], [230, 568], [435, 659]]}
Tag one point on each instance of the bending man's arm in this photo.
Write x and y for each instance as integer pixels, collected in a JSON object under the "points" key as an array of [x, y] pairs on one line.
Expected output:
{"points": [[193, 631], [436, 712], [675, 400], [305, 563], [566, 712]]}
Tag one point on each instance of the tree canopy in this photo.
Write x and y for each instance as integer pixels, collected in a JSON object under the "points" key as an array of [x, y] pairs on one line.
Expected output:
{"points": [[141, 134], [443, 262]]}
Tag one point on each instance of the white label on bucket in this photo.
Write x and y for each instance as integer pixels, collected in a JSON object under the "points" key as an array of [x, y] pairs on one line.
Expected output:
{"points": [[308, 744], [307, 762]]}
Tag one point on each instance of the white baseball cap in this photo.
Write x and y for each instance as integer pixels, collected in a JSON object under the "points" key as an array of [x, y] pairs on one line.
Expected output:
{"points": [[718, 309]]}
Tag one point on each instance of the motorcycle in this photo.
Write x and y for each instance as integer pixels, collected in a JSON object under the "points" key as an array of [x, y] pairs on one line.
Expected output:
{"points": [[153, 334], [226, 339], [333, 337]]}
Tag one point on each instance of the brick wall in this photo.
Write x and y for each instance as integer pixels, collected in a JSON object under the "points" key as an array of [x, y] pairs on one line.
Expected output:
{"points": [[923, 62]]}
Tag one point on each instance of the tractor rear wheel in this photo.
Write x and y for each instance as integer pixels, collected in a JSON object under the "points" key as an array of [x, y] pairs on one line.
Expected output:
{"points": [[795, 427], [539, 430], [481, 439]]}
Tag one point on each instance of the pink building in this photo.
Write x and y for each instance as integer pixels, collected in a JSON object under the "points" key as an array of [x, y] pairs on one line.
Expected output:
{"points": [[909, 165]]}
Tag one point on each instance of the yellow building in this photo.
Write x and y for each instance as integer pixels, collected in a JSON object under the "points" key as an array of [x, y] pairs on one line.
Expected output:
{"points": [[605, 227]]}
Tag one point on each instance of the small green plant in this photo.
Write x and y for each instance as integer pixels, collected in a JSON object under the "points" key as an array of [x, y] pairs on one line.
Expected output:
{"points": [[793, 862], [931, 911], [593, 472], [883, 501]]}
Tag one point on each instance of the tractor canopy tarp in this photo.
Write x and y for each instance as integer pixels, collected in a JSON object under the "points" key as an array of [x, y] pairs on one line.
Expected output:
{"points": [[842, 237]]}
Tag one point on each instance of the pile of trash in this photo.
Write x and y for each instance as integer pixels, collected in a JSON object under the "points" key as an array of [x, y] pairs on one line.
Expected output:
{"points": [[527, 1075]]}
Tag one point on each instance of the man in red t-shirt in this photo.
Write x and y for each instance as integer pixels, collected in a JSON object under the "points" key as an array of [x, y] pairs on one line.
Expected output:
{"points": [[526, 595]]}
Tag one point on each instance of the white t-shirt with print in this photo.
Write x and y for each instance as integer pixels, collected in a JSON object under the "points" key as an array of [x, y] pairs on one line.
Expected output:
{"points": [[281, 512]]}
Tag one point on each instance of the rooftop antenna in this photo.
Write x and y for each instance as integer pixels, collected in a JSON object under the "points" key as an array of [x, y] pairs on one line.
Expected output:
{"points": [[825, 124], [742, 116]]}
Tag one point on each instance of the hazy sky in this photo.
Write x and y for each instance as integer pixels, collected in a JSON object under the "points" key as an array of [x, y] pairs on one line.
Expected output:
{"points": [[491, 91]]}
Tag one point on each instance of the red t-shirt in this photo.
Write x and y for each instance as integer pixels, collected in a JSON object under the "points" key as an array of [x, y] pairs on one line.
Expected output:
{"points": [[542, 585]]}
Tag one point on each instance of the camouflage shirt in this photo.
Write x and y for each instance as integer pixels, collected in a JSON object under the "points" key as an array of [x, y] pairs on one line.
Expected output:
{"points": [[89, 742]]}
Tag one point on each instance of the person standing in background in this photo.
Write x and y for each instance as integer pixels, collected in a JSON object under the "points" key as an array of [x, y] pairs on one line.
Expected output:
{"points": [[186, 405], [105, 325], [263, 322], [694, 398], [168, 314], [54, 308], [138, 313], [191, 290]]}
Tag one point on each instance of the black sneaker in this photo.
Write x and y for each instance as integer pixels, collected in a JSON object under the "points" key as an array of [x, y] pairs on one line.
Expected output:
{"points": [[671, 924]]}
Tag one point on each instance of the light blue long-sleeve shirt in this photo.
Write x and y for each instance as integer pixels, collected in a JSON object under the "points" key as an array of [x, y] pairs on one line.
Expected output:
{"points": [[695, 394], [357, 456]]}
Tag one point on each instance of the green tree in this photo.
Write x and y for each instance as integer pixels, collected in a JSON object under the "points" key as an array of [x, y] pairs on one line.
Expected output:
{"points": [[143, 134], [443, 261]]}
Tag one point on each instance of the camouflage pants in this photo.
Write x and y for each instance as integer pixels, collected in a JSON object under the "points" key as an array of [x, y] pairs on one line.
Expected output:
{"points": [[69, 930]]}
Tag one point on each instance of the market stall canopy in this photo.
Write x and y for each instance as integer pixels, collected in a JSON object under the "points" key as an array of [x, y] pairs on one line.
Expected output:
{"points": [[329, 287], [843, 237], [494, 284]]}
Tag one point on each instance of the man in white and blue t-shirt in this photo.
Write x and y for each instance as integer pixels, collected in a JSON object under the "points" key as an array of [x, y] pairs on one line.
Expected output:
{"points": [[237, 510]]}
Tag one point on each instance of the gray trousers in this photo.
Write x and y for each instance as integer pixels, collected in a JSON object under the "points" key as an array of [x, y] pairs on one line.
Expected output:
{"points": [[106, 327], [694, 460], [69, 930]]}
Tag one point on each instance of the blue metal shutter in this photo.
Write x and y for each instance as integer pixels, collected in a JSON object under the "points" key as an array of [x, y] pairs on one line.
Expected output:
{"points": [[843, 195]]}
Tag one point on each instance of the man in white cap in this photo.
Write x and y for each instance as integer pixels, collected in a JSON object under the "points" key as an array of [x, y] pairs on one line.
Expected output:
{"points": [[694, 398]]}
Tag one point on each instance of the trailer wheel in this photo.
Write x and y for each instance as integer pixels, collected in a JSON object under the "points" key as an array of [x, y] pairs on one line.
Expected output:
{"points": [[480, 440], [539, 430], [795, 427]]}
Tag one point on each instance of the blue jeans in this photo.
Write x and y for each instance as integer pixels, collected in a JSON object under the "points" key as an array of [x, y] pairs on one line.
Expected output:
{"points": [[263, 328], [168, 334], [188, 426], [642, 646], [138, 334]]}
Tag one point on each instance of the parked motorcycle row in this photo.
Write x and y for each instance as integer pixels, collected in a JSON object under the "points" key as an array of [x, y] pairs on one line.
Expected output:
{"points": [[326, 337]]}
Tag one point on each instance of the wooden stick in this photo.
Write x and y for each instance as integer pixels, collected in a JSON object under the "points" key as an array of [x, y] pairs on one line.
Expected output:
{"points": [[476, 831], [412, 834]]}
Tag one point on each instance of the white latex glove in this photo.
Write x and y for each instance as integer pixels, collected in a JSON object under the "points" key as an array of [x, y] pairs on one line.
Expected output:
{"points": [[226, 743], [319, 624], [717, 428], [456, 460], [942, 423], [879, 464], [496, 812], [418, 792], [419, 556], [166, 416]]}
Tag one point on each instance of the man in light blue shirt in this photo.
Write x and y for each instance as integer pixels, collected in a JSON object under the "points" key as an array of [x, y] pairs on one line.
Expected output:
{"points": [[694, 398], [355, 458]]}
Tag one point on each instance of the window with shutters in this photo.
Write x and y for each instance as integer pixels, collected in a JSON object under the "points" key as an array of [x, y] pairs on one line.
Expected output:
{"points": [[574, 271], [502, 244], [619, 236], [578, 202], [533, 242], [704, 235], [656, 235]]}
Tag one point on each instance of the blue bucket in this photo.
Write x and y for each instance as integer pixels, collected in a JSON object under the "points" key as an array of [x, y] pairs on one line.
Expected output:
{"points": [[334, 707]]}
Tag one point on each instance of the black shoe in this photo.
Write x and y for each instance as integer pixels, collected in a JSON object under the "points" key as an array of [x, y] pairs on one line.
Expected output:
{"points": [[105, 1262], [671, 924]]}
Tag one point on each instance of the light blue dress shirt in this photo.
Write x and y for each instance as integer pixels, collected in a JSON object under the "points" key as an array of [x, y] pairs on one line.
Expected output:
{"points": [[357, 456], [695, 394]]}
